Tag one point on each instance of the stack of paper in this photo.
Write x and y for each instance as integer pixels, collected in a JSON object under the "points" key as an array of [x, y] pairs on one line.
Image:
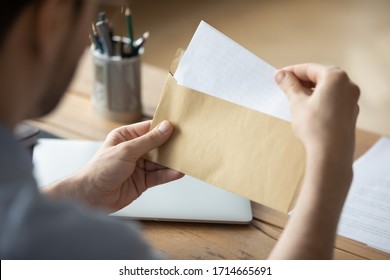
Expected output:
{"points": [[366, 214]]}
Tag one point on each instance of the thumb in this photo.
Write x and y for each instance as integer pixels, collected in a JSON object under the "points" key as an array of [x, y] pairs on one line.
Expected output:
{"points": [[151, 140], [289, 83]]}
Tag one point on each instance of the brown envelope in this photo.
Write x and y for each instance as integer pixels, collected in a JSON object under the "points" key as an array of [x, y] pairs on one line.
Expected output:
{"points": [[232, 147]]}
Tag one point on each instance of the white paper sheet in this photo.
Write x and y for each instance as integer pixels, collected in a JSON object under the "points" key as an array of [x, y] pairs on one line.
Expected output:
{"points": [[366, 213], [216, 65]]}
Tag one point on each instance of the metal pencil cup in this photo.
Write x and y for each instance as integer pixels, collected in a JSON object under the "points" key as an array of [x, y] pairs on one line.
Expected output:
{"points": [[117, 86]]}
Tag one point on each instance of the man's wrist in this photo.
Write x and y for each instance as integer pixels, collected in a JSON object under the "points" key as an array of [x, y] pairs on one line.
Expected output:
{"points": [[338, 155], [330, 174], [66, 188]]}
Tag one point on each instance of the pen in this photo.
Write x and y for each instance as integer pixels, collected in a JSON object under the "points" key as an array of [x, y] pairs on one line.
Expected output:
{"points": [[141, 42], [101, 16], [110, 30], [96, 39], [103, 31]]}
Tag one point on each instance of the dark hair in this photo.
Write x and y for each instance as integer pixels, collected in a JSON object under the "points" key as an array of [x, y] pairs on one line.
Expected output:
{"points": [[10, 12]]}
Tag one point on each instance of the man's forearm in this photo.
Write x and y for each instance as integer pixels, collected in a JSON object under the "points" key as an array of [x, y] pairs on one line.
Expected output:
{"points": [[66, 188], [311, 230]]}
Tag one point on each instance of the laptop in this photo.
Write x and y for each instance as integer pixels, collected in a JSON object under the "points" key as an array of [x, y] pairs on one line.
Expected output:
{"points": [[184, 200]]}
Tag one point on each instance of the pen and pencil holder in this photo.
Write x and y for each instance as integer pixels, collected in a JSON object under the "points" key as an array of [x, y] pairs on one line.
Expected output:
{"points": [[117, 84]]}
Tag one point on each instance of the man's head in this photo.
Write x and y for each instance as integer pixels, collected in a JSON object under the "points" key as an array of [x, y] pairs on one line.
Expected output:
{"points": [[40, 44]]}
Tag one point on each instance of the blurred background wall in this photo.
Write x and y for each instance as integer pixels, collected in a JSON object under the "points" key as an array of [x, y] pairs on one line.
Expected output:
{"points": [[353, 34]]}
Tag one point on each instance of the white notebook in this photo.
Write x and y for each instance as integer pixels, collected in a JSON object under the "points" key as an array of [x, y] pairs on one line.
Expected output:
{"points": [[187, 199]]}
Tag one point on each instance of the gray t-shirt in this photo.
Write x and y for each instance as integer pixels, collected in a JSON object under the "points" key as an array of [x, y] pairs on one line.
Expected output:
{"points": [[35, 227]]}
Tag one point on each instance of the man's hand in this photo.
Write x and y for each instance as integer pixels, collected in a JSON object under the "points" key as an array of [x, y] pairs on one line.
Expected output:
{"points": [[324, 109], [117, 174]]}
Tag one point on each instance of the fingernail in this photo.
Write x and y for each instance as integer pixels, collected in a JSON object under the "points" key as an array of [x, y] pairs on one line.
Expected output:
{"points": [[280, 77], [164, 127]]}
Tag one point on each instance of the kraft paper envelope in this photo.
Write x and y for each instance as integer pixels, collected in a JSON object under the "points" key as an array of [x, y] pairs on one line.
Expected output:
{"points": [[230, 122], [229, 146]]}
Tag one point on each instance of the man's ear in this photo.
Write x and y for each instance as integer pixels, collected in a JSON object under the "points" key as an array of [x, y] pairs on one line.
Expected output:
{"points": [[52, 21]]}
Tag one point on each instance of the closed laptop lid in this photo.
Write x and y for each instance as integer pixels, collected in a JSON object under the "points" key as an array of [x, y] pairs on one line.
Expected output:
{"points": [[186, 199], [190, 200]]}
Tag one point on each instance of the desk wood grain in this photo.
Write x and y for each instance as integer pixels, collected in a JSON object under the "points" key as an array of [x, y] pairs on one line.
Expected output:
{"points": [[74, 119]]}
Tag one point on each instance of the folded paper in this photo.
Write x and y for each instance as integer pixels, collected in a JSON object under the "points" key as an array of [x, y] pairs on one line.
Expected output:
{"points": [[218, 66]]}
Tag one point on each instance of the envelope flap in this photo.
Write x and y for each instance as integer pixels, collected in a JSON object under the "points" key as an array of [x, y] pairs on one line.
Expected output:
{"points": [[176, 60]]}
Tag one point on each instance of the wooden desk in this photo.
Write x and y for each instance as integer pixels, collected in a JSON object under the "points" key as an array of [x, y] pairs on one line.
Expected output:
{"points": [[74, 119]]}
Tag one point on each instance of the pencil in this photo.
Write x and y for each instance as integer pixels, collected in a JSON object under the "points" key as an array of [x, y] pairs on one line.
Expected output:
{"points": [[129, 22]]}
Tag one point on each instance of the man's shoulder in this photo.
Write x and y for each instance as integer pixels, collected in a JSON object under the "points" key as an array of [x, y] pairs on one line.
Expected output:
{"points": [[33, 227]]}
